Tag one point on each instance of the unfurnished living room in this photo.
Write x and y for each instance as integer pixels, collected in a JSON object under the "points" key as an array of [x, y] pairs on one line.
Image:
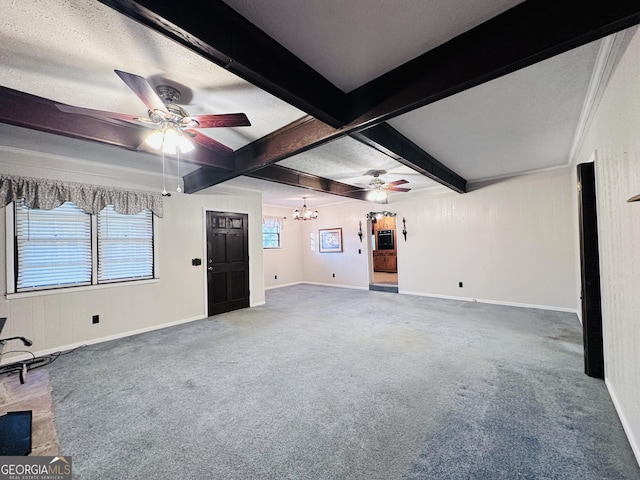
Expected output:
{"points": [[320, 239]]}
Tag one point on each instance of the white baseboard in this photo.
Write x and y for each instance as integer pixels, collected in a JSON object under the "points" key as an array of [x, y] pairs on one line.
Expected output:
{"points": [[283, 285], [492, 302], [94, 341], [337, 285], [446, 297], [257, 304], [635, 444]]}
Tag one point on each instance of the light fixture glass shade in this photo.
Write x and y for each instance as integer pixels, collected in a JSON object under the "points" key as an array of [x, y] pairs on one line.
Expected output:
{"points": [[305, 214], [377, 195], [169, 140], [184, 144], [154, 140]]}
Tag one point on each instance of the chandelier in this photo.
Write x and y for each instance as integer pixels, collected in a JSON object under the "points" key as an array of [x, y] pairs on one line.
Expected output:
{"points": [[306, 213]]}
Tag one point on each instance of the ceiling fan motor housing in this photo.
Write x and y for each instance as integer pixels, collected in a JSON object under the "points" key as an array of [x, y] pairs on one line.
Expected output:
{"points": [[168, 94]]}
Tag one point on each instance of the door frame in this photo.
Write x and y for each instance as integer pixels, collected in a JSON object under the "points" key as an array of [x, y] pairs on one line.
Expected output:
{"points": [[205, 284], [370, 241]]}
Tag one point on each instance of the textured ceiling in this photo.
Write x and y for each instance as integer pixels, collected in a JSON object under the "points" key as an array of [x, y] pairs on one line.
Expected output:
{"points": [[352, 42], [67, 50], [520, 122]]}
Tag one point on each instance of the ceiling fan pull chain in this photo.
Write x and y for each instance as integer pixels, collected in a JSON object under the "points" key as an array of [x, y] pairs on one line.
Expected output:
{"points": [[178, 156], [164, 187]]}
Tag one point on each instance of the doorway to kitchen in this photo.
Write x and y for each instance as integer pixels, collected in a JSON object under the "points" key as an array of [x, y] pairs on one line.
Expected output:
{"points": [[384, 260]]}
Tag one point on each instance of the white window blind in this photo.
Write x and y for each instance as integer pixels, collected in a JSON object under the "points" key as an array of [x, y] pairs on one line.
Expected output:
{"points": [[125, 245], [53, 247]]}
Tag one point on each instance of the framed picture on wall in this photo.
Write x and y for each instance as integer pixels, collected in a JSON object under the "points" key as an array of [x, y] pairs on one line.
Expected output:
{"points": [[330, 240]]}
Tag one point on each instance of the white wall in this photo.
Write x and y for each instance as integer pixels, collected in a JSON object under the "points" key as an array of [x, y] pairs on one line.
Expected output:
{"points": [[510, 242], [63, 319], [615, 135], [350, 267], [284, 262]]}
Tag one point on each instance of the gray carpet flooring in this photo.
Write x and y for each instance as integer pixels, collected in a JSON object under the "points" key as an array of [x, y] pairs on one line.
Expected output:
{"points": [[329, 383]]}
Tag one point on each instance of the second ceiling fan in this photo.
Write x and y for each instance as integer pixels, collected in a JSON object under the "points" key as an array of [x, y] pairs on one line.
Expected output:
{"points": [[378, 188], [165, 114]]}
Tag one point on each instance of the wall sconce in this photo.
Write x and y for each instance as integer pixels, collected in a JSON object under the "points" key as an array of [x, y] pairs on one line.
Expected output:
{"points": [[404, 228], [360, 230]]}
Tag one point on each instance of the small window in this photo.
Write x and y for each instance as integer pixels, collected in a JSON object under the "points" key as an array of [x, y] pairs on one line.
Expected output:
{"points": [[53, 247], [271, 232], [125, 245]]}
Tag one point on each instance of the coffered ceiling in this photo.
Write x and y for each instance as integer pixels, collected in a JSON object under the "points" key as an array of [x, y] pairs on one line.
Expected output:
{"points": [[438, 93]]}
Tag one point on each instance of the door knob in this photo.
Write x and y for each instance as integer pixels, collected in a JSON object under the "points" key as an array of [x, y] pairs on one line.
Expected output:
{"points": [[210, 268]]}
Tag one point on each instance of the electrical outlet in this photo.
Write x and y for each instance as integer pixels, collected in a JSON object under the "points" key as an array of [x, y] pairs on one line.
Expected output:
{"points": [[96, 319], [275, 276], [460, 284], [334, 275]]}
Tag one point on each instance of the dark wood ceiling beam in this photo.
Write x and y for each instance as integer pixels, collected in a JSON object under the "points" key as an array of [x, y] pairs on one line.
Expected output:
{"points": [[218, 33], [528, 33], [221, 35], [389, 141], [29, 111], [309, 132], [294, 178], [297, 137]]}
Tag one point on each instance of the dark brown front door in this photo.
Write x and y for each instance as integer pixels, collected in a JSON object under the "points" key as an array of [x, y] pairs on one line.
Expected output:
{"points": [[227, 262]]}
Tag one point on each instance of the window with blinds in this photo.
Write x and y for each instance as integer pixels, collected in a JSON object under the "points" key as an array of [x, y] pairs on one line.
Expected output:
{"points": [[271, 232], [125, 246], [53, 247]]}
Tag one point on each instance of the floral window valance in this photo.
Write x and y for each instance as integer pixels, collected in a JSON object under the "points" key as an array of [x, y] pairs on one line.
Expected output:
{"points": [[45, 194]]}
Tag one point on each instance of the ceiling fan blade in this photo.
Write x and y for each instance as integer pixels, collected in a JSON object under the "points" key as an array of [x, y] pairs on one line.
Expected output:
{"points": [[397, 182], [222, 120], [207, 142], [398, 189], [104, 114], [143, 90]]}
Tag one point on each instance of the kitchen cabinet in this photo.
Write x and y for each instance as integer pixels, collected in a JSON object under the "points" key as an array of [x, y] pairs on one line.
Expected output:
{"points": [[385, 261]]}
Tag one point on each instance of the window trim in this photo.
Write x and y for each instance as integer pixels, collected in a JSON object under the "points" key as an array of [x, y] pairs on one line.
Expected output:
{"points": [[85, 288], [10, 258]]}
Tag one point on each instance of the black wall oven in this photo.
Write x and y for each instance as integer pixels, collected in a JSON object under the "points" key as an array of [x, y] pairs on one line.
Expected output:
{"points": [[385, 240]]}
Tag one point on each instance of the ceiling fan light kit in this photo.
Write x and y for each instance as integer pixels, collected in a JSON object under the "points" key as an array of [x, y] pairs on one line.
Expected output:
{"points": [[305, 213], [168, 140], [377, 195]]}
